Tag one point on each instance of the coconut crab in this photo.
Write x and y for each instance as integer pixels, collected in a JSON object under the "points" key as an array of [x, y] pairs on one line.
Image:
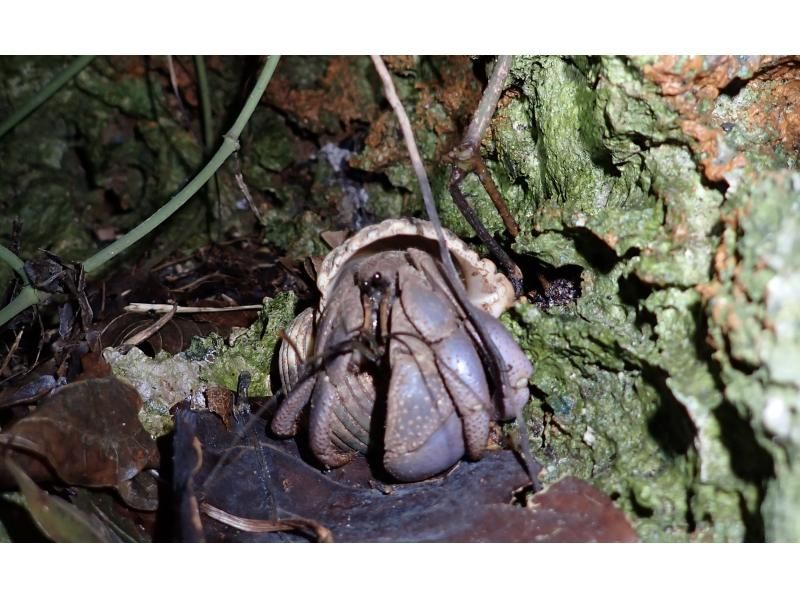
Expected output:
{"points": [[400, 365]]}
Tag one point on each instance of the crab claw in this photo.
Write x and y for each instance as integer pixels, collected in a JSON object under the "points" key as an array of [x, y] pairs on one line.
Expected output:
{"points": [[423, 436]]}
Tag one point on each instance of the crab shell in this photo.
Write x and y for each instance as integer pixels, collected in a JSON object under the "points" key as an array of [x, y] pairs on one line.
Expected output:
{"points": [[486, 288]]}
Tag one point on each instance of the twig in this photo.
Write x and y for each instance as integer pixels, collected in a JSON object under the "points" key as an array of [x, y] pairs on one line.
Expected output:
{"points": [[44, 94], [239, 178], [11, 351], [466, 157], [494, 194], [173, 80], [294, 524], [143, 335], [498, 253], [160, 308], [498, 372], [485, 111]]}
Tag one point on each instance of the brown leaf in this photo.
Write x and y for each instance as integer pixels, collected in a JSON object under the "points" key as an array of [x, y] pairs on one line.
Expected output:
{"points": [[88, 432], [27, 393], [220, 401], [60, 520], [572, 510], [267, 479]]}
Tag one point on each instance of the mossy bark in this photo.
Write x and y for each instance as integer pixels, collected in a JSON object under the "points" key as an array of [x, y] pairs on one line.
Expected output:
{"points": [[672, 382]]}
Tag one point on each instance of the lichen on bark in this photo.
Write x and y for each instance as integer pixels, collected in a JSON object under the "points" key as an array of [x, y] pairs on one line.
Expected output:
{"points": [[645, 386]]}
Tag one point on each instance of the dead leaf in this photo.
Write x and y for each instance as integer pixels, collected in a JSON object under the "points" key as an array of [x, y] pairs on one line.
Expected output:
{"points": [[88, 432], [27, 393], [267, 479], [60, 520]]}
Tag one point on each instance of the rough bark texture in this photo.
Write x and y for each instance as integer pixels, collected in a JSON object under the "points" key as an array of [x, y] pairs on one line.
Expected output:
{"points": [[672, 382]]}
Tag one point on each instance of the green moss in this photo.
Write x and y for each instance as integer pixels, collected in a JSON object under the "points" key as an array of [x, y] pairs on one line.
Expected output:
{"points": [[251, 351], [630, 397], [754, 320], [162, 382]]}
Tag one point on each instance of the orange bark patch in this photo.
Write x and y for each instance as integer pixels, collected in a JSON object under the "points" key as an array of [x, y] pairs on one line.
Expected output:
{"points": [[691, 83], [336, 94], [779, 108]]}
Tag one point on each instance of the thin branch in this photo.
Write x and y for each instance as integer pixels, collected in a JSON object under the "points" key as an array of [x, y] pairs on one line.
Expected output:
{"points": [[494, 194], [11, 351], [239, 178], [173, 80], [498, 253], [143, 335], [485, 111], [160, 308], [497, 370], [44, 94], [466, 157]]}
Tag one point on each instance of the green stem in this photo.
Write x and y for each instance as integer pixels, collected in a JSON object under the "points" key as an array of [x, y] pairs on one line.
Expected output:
{"points": [[27, 297], [10, 258], [208, 128], [205, 99], [44, 94], [230, 144]]}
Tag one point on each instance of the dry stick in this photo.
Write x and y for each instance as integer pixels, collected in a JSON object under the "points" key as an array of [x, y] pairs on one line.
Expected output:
{"points": [[173, 80], [239, 178], [160, 308], [494, 193], [466, 156], [486, 107], [294, 524], [498, 253], [143, 335], [11, 352], [498, 372]]}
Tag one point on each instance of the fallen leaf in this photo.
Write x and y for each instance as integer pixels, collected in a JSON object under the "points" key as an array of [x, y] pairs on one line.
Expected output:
{"points": [[261, 478], [27, 393], [88, 432], [60, 520]]}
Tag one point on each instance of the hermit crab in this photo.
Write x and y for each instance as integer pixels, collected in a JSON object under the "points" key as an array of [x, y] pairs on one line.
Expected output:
{"points": [[390, 363]]}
